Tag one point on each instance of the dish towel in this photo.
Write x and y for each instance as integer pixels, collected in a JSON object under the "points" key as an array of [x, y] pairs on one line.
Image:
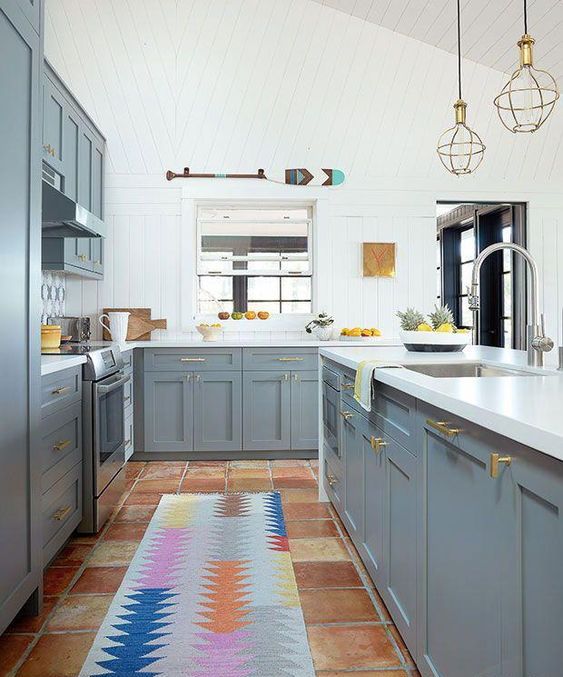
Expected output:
{"points": [[364, 384]]}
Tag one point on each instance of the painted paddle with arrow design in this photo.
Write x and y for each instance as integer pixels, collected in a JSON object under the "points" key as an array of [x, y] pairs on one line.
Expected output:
{"points": [[292, 177]]}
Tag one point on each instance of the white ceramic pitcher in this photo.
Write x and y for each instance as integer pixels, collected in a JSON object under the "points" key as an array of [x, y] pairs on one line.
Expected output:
{"points": [[118, 323]]}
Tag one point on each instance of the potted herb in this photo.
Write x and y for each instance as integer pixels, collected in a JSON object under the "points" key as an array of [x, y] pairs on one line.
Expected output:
{"points": [[321, 326]]}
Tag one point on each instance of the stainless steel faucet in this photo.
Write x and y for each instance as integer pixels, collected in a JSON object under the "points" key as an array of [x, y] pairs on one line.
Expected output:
{"points": [[537, 342]]}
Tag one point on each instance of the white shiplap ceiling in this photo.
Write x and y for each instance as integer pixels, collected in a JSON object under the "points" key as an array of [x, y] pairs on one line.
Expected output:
{"points": [[491, 28]]}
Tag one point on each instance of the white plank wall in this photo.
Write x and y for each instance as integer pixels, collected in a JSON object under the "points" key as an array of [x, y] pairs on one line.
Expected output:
{"points": [[233, 85]]}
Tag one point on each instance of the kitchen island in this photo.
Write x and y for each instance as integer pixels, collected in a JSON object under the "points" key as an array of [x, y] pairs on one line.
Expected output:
{"points": [[452, 492]]}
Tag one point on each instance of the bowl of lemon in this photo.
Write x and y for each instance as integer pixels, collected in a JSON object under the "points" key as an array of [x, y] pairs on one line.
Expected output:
{"points": [[435, 333], [359, 333], [210, 332]]}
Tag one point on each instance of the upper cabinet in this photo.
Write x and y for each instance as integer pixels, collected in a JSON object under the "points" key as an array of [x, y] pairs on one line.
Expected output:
{"points": [[32, 12], [73, 148]]}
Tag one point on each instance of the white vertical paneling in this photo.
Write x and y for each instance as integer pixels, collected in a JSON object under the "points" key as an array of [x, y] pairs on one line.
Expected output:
{"points": [[233, 85]]}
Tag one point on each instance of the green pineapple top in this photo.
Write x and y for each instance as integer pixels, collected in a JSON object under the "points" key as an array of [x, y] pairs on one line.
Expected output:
{"points": [[410, 319], [441, 315]]}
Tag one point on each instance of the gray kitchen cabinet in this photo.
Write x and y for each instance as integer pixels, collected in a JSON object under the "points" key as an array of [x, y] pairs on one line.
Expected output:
{"points": [[74, 148], [352, 454], [304, 409], [20, 223], [267, 410], [463, 554], [372, 546], [534, 614], [32, 11], [400, 526], [217, 418], [168, 411], [53, 125]]}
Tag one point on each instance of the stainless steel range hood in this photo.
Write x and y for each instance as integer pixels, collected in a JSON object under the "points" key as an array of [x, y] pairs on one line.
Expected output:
{"points": [[62, 217]]}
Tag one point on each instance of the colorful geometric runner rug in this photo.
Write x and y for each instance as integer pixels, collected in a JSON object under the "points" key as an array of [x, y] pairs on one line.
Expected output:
{"points": [[209, 593]]}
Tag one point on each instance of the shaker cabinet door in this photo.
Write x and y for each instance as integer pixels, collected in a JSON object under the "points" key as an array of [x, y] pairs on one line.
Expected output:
{"points": [[533, 571], [168, 412], [217, 411], [53, 125], [267, 410], [372, 547], [463, 557], [20, 138], [353, 460], [304, 410]]}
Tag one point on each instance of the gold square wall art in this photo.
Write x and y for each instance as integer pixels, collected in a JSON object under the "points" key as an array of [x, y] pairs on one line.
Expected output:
{"points": [[378, 259]]}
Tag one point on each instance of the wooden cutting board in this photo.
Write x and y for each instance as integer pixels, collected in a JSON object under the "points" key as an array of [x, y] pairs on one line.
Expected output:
{"points": [[140, 323]]}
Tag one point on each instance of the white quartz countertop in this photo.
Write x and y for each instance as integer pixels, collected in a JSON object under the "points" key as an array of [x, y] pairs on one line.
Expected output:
{"points": [[53, 363], [526, 409]]}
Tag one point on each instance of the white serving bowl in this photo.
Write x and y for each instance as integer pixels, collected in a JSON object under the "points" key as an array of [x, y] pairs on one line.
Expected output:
{"points": [[434, 341], [210, 333]]}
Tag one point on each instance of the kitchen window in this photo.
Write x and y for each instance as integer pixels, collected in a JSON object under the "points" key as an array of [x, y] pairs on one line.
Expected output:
{"points": [[255, 257]]}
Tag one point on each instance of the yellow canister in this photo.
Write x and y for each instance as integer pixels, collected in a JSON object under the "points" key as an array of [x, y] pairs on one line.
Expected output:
{"points": [[50, 336]]}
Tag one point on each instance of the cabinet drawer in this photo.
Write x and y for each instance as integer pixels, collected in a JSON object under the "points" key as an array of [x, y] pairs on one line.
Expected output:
{"points": [[127, 360], [61, 511], [280, 359], [61, 444], [193, 359], [331, 377], [391, 410], [60, 390]]}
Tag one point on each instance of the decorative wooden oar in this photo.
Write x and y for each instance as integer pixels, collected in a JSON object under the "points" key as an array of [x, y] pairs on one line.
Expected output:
{"points": [[293, 177]]}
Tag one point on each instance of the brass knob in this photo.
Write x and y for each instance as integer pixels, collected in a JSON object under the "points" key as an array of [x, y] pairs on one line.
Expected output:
{"points": [[346, 415], [332, 480], [59, 446], [347, 386], [60, 391], [62, 513], [496, 460], [377, 443]]}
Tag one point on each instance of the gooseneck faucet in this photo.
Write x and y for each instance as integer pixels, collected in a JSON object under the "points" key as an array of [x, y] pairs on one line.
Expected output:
{"points": [[537, 342]]}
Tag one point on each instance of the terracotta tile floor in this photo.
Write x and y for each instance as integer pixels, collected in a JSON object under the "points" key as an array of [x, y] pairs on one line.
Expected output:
{"points": [[349, 629]]}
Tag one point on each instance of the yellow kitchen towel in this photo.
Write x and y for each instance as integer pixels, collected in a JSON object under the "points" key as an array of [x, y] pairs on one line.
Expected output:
{"points": [[364, 384]]}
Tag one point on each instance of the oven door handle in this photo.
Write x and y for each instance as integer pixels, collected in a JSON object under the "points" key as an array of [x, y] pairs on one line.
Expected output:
{"points": [[116, 384]]}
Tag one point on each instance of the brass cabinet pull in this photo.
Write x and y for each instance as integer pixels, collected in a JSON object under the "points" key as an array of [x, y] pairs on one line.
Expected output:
{"points": [[346, 415], [62, 513], [59, 446], [289, 359], [285, 377], [443, 427], [296, 377], [347, 386], [377, 443], [198, 378], [82, 257], [193, 359], [332, 480], [60, 391], [496, 460]]}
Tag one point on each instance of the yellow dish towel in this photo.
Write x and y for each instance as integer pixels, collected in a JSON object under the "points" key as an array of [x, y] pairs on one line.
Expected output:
{"points": [[363, 386]]}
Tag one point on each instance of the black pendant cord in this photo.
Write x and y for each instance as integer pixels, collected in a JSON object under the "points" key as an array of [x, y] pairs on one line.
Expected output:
{"points": [[526, 17], [459, 48]]}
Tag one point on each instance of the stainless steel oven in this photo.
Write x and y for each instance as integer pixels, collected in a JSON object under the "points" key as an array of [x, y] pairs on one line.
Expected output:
{"points": [[103, 436]]}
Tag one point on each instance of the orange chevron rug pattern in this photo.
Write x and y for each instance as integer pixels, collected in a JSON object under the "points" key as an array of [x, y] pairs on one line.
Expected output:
{"points": [[210, 593]]}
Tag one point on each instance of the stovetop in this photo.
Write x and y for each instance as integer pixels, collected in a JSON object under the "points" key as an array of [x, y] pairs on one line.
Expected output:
{"points": [[71, 349]]}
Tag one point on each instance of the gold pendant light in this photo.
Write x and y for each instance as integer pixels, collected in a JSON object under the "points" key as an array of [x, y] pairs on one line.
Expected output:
{"points": [[460, 149], [528, 98]]}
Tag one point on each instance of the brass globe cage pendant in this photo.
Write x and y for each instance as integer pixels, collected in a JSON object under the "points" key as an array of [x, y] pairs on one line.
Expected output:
{"points": [[528, 98], [460, 149]]}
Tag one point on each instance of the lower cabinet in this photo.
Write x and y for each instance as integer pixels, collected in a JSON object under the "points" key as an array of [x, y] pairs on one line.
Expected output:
{"points": [[186, 411], [267, 410], [168, 411], [217, 413], [280, 410]]}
